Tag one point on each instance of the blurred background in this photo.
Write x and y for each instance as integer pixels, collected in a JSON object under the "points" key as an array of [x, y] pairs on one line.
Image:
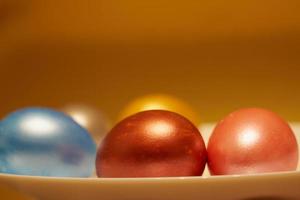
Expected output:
{"points": [[216, 55]]}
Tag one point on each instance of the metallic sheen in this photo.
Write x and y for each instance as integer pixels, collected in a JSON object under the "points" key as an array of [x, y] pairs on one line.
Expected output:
{"points": [[160, 102], [44, 142], [152, 144], [252, 141]]}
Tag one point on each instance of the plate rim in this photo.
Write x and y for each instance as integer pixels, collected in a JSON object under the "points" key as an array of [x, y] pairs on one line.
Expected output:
{"points": [[156, 179]]}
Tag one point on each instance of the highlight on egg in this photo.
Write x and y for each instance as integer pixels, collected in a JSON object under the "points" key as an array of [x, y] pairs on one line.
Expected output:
{"points": [[153, 143], [252, 140], [45, 142]]}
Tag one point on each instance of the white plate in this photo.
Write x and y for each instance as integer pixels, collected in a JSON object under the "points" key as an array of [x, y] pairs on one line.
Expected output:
{"points": [[271, 186]]}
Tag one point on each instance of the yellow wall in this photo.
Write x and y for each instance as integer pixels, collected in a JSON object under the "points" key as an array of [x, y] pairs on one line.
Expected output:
{"points": [[218, 55]]}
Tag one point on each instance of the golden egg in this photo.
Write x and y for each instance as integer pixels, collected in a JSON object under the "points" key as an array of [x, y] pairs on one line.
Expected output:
{"points": [[160, 102]]}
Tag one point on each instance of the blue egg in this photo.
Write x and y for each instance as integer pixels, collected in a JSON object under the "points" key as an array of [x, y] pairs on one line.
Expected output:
{"points": [[44, 142]]}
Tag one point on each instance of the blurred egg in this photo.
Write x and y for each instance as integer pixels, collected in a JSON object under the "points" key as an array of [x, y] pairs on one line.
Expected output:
{"points": [[296, 128], [160, 102], [44, 142], [90, 118]]}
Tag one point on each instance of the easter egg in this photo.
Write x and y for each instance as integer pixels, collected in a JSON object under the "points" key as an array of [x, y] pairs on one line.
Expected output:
{"points": [[152, 143], [250, 141], [91, 118], [160, 102], [44, 142]]}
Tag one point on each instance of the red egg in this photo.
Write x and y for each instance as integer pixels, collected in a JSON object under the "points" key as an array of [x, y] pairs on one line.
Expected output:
{"points": [[252, 141], [152, 143]]}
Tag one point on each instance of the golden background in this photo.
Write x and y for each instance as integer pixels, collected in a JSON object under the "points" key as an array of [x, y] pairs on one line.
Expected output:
{"points": [[217, 55]]}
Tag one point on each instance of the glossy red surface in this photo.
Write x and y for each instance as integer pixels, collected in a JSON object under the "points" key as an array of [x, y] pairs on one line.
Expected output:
{"points": [[252, 141], [152, 144]]}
